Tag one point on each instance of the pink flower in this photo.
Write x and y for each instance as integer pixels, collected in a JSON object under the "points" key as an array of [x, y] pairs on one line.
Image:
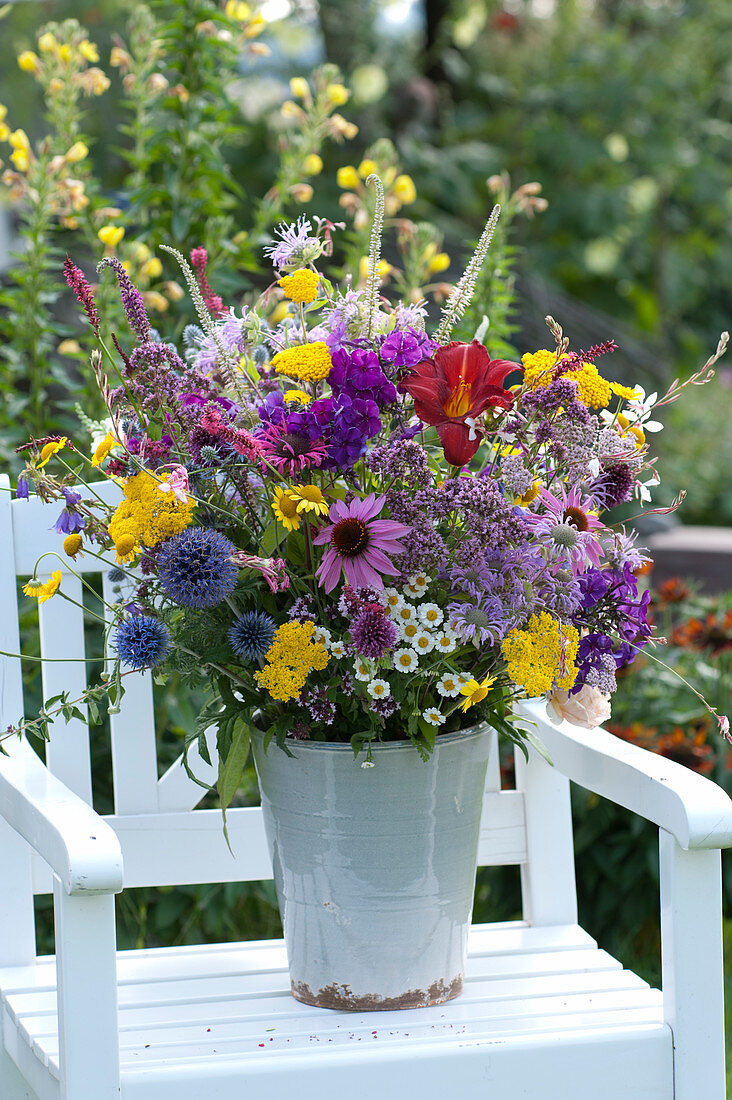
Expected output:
{"points": [[588, 708], [290, 452], [570, 522], [272, 569], [359, 544], [176, 483]]}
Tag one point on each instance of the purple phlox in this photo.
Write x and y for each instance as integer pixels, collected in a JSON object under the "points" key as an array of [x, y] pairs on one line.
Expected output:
{"points": [[70, 521], [406, 347], [356, 372]]}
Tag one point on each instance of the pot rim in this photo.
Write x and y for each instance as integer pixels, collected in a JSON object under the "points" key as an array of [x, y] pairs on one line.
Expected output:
{"points": [[385, 746]]}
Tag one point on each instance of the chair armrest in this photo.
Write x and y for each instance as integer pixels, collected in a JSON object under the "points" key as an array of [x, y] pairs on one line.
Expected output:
{"points": [[697, 812], [76, 842]]}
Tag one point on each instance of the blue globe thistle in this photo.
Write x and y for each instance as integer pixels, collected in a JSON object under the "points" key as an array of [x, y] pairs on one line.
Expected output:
{"points": [[142, 641], [252, 635], [195, 567]]}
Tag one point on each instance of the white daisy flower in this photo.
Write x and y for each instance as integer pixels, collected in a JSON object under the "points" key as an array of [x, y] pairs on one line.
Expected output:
{"points": [[409, 631], [445, 640], [378, 689], [338, 649], [433, 716], [405, 660], [363, 669], [391, 599], [449, 685], [463, 678], [416, 585], [423, 642], [430, 614], [405, 614], [322, 634]]}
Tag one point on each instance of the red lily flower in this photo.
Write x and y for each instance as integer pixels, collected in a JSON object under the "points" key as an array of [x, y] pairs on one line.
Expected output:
{"points": [[460, 381]]}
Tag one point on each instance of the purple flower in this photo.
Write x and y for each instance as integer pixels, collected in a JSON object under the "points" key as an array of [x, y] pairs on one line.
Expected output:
{"points": [[357, 373], [373, 633], [294, 241], [22, 488], [132, 301], [406, 348], [360, 544], [70, 521]]}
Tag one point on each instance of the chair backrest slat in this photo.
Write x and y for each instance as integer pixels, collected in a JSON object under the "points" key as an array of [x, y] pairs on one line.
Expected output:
{"points": [[62, 636], [132, 731], [176, 789], [11, 674]]}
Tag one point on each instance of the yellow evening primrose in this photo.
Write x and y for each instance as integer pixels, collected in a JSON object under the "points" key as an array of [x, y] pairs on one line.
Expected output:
{"points": [[301, 286], [347, 177], [50, 449], [310, 499], [111, 235], [103, 449], [475, 692], [28, 61], [284, 507], [43, 590]]}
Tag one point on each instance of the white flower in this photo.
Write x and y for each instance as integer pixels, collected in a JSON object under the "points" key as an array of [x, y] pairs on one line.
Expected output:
{"points": [[589, 708], [322, 635], [430, 614], [405, 614], [423, 642], [445, 640], [449, 686], [643, 488], [405, 660], [378, 689], [433, 716], [363, 669], [391, 599], [416, 585], [338, 649], [463, 678], [409, 631]]}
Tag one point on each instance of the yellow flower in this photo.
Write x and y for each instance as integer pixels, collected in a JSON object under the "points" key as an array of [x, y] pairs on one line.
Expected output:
{"points": [[111, 235], [383, 268], [47, 42], [4, 131], [69, 347], [439, 262], [306, 362], [527, 498], [103, 449], [119, 58], [404, 189], [626, 392], [338, 94], [78, 151], [301, 192], [538, 367], [347, 177], [50, 450], [236, 9], [155, 300], [19, 140], [475, 692], [310, 499], [28, 61], [89, 51], [312, 165], [125, 548], [542, 655], [147, 515], [291, 110], [20, 159], [152, 268], [300, 87], [367, 167], [64, 52], [43, 590], [284, 507], [290, 658], [72, 545], [255, 25], [299, 396], [301, 286]]}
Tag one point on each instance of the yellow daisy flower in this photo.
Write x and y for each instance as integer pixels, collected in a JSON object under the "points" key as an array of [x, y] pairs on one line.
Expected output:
{"points": [[475, 692], [103, 449], [285, 508], [310, 499], [43, 590], [50, 450], [72, 545]]}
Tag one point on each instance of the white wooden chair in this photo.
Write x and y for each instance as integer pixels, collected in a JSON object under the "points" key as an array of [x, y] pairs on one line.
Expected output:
{"points": [[546, 1014]]}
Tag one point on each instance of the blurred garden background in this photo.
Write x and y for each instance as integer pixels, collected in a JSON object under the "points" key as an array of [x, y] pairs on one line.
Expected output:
{"points": [[604, 128]]}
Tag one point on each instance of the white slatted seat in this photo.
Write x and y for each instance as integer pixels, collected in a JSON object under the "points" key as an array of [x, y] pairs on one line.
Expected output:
{"points": [[545, 1013]]}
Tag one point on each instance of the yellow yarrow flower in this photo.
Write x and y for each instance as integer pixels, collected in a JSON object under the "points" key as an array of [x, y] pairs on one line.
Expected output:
{"points": [[592, 389], [103, 449], [285, 508], [111, 235], [310, 499], [538, 367], [43, 590], [290, 659], [72, 544], [146, 515], [475, 692], [306, 362], [300, 286], [542, 655], [50, 450], [347, 177], [298, 396]]}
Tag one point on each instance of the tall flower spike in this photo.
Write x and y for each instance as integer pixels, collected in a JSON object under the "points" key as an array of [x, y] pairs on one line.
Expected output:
{"points": [[377, 228], [461, 296], [228, 363], [132, 301]]}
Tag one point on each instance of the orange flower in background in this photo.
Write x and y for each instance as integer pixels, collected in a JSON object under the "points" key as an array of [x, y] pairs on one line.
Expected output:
{"points": [[455, 387], [674, 590], [713, 633]]}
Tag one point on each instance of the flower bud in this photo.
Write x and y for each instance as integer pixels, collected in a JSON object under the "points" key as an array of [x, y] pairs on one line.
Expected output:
{"points": [[300, 88], [301, 192], [78, 151], [29, 62], [338, 94]]}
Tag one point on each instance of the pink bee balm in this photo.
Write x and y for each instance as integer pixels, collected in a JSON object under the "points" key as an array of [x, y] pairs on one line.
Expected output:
{"points": [[359, 544]]}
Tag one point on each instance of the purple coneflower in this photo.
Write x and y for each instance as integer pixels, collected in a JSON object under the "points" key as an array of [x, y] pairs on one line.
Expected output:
{"points": [[570, 522], [359, 544], [290, 452]]}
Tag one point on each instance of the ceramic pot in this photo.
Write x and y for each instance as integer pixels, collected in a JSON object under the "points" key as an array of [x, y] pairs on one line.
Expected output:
{"points": [[374, 866]]}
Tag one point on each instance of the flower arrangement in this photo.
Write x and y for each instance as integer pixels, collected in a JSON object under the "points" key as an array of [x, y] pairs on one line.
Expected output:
{"points": [[355, 528]]}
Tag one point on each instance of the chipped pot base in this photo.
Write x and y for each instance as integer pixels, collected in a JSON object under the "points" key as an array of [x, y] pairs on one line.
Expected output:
{"points": [[341, 998]]}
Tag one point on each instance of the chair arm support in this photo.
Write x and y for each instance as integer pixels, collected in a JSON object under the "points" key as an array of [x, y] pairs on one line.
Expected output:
{"points": [[697, 812], [76, 842]]}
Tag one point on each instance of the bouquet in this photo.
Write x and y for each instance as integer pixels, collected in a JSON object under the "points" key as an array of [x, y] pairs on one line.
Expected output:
{"points": [[352, 528]]}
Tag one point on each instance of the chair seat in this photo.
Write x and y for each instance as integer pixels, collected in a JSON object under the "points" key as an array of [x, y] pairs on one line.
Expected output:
{"points": [[542, 1007]]}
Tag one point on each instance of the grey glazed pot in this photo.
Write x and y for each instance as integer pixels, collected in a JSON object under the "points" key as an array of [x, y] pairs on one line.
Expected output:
{"points": [[374, 867]]}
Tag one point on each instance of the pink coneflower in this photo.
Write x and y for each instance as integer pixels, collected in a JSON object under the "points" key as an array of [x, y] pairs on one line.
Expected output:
{"points": [[570, 522], [290, 452], [359, 544]]}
